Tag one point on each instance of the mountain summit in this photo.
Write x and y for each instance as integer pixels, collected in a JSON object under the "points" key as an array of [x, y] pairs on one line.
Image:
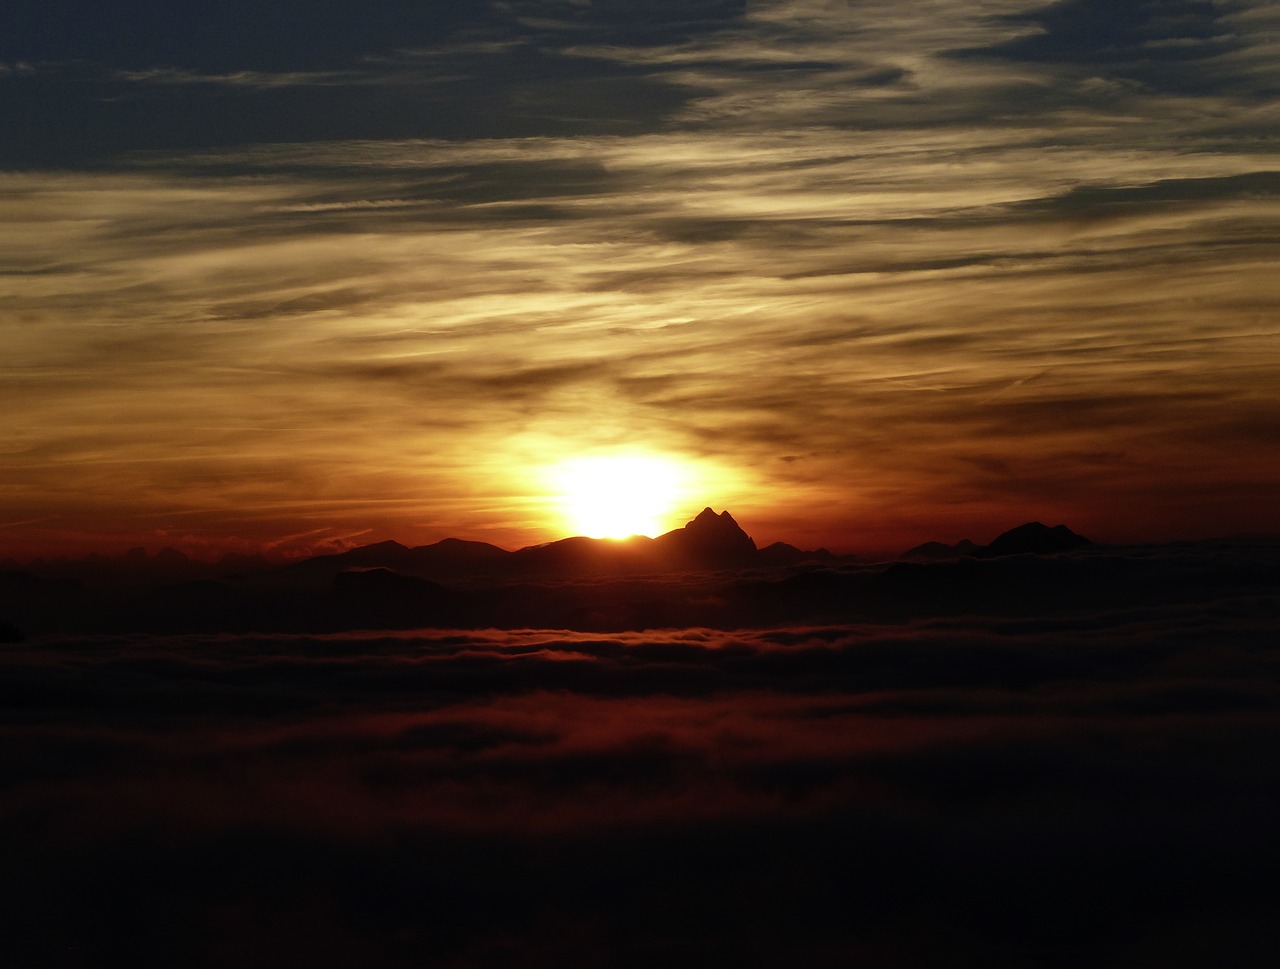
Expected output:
{"points": [[1036, 538], [711, 539]]}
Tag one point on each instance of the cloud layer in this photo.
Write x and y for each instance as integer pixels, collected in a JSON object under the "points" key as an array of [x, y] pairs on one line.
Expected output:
{"points": [[948, 792]]}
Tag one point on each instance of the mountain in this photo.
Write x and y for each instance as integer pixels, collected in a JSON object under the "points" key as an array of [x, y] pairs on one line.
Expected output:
{"points": [[448, 560], [379, 597], [1036, 539], [941, 550], [781, 554], [1033, 538], [708, 573], [709, 541]]}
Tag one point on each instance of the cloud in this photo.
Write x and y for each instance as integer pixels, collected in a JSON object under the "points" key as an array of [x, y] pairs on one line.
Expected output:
{"points": [[814, 789], [1145, 41], [518, 273], [237, 76], [252, 79]]}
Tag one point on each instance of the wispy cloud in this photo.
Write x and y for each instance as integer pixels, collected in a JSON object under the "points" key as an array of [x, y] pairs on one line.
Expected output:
{"points": [[249, 79]]}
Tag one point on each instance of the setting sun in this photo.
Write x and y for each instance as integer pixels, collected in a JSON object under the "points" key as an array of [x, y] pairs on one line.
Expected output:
{"points": [[614, 496]]}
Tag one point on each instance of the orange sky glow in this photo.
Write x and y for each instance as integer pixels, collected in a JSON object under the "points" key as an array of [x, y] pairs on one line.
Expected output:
{"points": [[858, 308]]}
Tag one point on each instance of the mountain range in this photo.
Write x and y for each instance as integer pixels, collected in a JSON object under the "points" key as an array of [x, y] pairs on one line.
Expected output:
{"points": [[1033, 538], [707, 573], [710, 541]]}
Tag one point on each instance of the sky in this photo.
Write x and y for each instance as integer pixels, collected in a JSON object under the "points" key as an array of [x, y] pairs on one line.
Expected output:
{"points": [[305, 275]]}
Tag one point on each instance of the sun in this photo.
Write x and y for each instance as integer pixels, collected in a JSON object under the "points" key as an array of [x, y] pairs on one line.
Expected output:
{"points": [[618, 495]]}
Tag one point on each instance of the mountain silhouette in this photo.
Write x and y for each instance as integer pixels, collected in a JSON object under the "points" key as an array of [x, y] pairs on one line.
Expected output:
{"points": [[1037, 539], [449, 559], [1032, 538], [379, 596], [709, 541], [941, 550], [782, 554], [709, 572]]}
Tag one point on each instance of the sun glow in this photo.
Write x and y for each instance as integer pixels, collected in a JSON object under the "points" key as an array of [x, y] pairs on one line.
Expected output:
{"points": [[615, 496]]}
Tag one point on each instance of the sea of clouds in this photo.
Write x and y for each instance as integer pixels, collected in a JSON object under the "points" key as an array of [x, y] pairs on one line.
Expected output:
{"points": [[1096, 789]]}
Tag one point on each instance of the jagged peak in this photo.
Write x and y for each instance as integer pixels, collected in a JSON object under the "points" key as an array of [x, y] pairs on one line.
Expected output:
{"points": [[714, 533], [708, 516]]}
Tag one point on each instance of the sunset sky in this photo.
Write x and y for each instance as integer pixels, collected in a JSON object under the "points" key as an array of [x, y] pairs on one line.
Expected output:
{"points": [[301, 275]]}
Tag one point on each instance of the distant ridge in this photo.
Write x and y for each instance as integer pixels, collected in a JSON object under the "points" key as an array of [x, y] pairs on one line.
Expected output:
{"points": [[709, 541], [1032, 538], [783, 554], [449, 558], [708, 573], [1037, 539], [941, 550]]}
